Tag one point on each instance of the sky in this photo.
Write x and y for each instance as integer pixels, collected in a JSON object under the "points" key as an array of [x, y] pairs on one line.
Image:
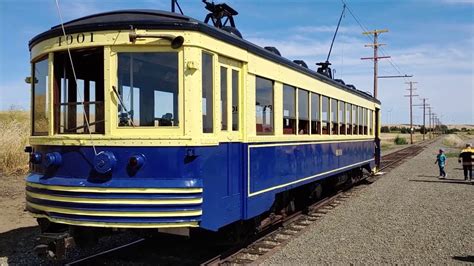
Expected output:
{"points": [[433, 40]]}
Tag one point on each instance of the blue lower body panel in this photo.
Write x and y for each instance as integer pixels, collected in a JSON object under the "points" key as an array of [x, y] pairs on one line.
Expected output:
{"points": [[207, 187], [273, 168]]}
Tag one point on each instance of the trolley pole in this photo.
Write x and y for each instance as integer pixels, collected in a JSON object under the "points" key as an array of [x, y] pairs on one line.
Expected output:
{"points": [[411, 89], [375, 45]]}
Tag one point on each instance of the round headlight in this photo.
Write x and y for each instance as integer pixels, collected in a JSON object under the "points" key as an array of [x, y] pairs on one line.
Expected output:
{"points": [[104, 162], [35, 157]]}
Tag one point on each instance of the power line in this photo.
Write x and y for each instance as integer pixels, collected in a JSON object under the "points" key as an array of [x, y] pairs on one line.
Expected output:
{"points": [[392, 63], [376, 57]]}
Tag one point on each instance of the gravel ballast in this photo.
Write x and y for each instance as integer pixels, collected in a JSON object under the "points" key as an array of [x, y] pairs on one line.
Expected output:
{"points": [[408, 216]]}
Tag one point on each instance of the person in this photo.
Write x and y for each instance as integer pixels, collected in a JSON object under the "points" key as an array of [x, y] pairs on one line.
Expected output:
{"points": [[441, 161], [467, 157]]}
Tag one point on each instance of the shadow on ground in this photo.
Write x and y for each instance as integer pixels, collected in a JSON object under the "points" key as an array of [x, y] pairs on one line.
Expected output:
{"points": [[17, 245], [446, 180], [468, 258]]}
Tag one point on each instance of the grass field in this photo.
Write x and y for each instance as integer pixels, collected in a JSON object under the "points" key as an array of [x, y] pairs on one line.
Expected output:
{"points": [[14, 132], [388, 139]]}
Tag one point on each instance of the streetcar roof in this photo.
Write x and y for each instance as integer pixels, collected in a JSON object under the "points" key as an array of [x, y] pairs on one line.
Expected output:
{"points": [[157, 19]]}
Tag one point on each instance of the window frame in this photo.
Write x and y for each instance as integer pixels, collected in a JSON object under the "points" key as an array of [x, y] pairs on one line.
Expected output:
{"points": [[112, 104], [341, 117], [308, 111], [273, 132], [294, 108], [48, 101], [316, 120], [334, 125], [326, 121]]}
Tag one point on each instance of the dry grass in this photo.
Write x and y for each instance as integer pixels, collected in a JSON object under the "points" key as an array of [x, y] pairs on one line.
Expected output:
{"points": [[454, 141], [14, 133]]}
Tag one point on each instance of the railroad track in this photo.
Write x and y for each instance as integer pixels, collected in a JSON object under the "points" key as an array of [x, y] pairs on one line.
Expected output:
{"points": [[251, 251]]}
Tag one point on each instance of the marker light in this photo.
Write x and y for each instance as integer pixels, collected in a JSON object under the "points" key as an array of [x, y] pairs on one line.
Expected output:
{"points": [[104, 162], [52, 159], [35, 157], [136, 161]]}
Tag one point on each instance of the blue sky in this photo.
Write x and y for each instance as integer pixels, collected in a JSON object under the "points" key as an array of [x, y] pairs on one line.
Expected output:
{"points": [[431, 39]]}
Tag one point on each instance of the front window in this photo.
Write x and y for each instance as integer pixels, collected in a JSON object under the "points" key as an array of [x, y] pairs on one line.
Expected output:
{"points": [[40, 97], [79, 92], [148, 88]]}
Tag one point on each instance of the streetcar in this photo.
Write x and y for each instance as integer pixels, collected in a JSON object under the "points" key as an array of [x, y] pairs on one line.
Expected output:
{"points": [[152, 120]]}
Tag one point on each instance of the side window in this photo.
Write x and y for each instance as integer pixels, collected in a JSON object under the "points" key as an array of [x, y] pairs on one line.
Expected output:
{"points": [[289, 110], [224, 98], [303, 112], [342, 118], [371, 119], [354, 119], [349, 118], [40, 97], [361, 120], [264, 106], [207, 93], [366, 132], [325, 115], [334, 126], [315, 119], [235, 100]]}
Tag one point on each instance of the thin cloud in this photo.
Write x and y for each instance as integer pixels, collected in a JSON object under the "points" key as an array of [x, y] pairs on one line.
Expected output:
{"points": [[459, 1]]}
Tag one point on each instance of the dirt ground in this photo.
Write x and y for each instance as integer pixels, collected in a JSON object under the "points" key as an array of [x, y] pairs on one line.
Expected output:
{"points": [[17, 228]]}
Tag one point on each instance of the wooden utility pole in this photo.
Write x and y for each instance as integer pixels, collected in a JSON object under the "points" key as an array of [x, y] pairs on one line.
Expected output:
{"points": [[424, 115], [429, 115], [411, 89], [375, 45]]}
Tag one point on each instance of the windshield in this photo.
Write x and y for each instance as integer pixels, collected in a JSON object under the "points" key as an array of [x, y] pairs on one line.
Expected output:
{"points": [[148, 89]]}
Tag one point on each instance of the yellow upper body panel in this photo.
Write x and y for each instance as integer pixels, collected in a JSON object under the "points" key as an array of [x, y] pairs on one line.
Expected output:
{"points": [[189, 132]]}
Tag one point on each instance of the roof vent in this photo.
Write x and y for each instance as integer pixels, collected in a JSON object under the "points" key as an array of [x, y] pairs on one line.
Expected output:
{"points": [[301, 63], [272, 49], [351, 86], [340, 81], [233, 31]]}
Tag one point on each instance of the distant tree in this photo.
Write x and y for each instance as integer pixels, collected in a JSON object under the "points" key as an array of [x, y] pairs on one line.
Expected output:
{"points": [[385, 129], [423, 130]]}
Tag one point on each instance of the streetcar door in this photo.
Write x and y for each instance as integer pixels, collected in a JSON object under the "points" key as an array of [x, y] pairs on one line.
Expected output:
{"points": [[378, 148], [230, 99]]}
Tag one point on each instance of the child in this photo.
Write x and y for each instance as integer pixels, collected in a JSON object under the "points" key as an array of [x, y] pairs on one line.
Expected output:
{"points": [[441, 161]]}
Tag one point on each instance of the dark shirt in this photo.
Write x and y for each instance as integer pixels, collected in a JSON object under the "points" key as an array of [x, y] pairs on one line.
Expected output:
{"points": [[467, 156]]}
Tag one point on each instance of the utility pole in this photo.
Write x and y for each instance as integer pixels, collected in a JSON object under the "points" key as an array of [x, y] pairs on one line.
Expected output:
{"points": [[424, 115], [375, 45], [429, 116], [411, 89]]}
